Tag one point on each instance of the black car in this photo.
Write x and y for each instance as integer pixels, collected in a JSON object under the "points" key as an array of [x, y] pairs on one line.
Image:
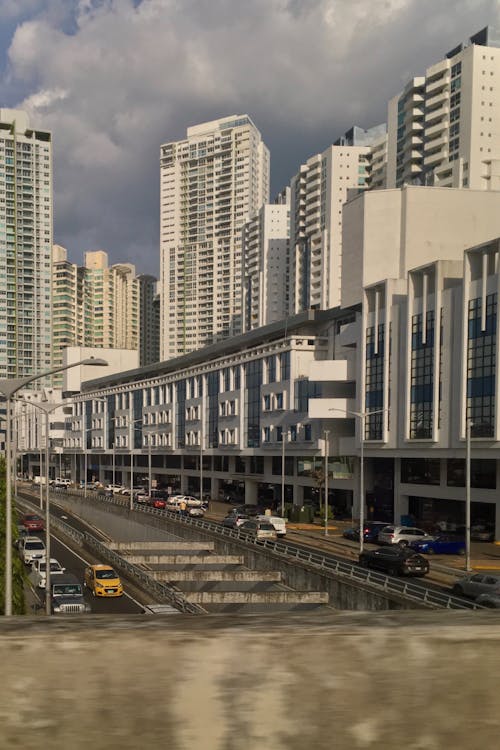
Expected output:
{"points": [[370, 531], [395, 561]]}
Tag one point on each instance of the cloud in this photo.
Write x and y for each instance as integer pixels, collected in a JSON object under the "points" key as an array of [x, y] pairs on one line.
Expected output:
{"points": [[113, 79]]}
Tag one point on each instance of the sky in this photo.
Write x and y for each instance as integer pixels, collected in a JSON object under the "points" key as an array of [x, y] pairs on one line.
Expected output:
{"points": [[114, 79]]}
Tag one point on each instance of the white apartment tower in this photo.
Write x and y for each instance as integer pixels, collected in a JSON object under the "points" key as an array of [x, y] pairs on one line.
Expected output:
{"points": [[266, 240], [444, 127], [68, 307], [26, 215], [211, 183], [318, 192]]}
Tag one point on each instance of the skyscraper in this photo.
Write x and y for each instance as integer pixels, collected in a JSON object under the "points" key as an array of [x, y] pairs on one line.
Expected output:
{"points": [[26, 215], [149, 320], [444, 127], [211, 183]]}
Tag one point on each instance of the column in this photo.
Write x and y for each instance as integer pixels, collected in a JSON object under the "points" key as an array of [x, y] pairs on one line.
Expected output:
{"points": [[250, 492]]}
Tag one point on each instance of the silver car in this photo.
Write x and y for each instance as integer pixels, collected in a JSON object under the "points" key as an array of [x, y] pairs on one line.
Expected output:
{"points": [[476, 584], [259, 529], [401, 535]]}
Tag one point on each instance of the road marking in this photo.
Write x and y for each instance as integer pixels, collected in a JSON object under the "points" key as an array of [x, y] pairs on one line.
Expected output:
{"points": [[87, 562]]}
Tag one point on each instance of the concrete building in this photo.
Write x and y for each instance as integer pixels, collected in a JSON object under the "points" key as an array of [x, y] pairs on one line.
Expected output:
{"points": [[26, 217], [149, 320], [211, 183], [318, 192], [69, 307], [265, 252], [444, 127]]}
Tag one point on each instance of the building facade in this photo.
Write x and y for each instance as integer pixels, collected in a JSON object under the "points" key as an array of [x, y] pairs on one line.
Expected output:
{"points": [[444, 127], [211, 183], [265, 252], [149, 320], [26, 221]]}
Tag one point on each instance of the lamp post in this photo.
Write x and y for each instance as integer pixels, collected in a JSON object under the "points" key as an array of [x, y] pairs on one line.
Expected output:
{"points": [[467, 492], [283, 436], [327, 432], [9, 387], [132, 431], [361, 415], [201, 460], [149, 466]]}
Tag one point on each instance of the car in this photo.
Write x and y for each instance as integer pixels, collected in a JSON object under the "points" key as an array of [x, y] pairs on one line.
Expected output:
{"points": [[395, 561], [156, 502], [480, 533], [31, 547], [196, 512], [439, 545], [371, 531], [472, 586], [259, 529], [492, 601], [278, 523], [401, 535], [234, 520], [249, 510], [67, 596], [32, 522], [39, 571], [102, 580], [62, 482], [114, 488]]}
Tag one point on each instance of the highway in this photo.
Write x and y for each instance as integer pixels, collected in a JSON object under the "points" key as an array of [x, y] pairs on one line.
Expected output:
{"points": [[75, 562]]}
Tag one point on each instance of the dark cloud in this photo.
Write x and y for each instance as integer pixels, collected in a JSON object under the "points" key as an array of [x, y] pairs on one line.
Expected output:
{"points": [[115, 79]]}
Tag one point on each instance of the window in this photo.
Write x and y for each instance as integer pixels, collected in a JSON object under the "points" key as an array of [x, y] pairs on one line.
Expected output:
{"points": [[422, 377], [420, 470], [481, 367], [279, 401]]}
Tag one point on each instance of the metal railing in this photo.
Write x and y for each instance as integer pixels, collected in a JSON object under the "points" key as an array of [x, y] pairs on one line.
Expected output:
{"points": [[162, 590], [327, 565]]}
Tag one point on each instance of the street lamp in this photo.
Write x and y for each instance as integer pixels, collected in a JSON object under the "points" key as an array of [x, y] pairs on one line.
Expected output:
{"points": [[361, 415], [467, 492], [327, 432], [284, 434], [8, 387]]}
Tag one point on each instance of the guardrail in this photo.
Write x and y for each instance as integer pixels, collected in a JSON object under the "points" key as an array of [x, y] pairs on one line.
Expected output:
{"points": [[163, 591], [326, 564]]}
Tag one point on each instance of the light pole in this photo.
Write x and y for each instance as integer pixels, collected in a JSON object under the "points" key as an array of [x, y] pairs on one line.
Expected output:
{"points": [[8, 387], [284, 434], [327, 432], [113, 449], [467, 492], [201, 460], [149, 466], [361, 415]]}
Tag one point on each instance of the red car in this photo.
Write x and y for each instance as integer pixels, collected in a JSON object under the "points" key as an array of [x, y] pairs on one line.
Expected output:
{"points": [[156, 502], [32, 522]]}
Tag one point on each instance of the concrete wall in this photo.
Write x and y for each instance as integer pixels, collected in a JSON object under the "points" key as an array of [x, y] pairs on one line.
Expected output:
{"points": [[343, 593], [349, 682]]}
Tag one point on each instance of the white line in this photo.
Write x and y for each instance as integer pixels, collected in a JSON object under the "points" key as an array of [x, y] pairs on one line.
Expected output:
{"points": [[87, 562]]}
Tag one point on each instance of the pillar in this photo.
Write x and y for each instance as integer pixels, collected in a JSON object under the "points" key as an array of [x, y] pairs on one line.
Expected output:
{"points": [[250, 492]]}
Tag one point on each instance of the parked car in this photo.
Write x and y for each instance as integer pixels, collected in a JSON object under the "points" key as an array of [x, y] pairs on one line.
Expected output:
{"points": [[67, 596], [439, 545], [395, 561], [474, 585], [39, 571], [234, 520], [32, 522], [196, 512], [31, 547], [480, 533], [401, 535], [278, 523], [259, 529], [370, 531], [156, 502], [492, 601], [249, 510], [102, 580], [114, 488], [61, 482]]}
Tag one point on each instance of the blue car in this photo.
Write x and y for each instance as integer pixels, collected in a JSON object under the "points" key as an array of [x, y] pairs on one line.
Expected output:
{"points": [[440, 545]]}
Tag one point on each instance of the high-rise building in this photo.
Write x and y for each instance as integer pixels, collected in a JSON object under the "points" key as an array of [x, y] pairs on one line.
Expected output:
{"points": [[444, 127], [211, 183], [318, 192], [265, 249], [68, 306], [149, 320], [26, 214]]}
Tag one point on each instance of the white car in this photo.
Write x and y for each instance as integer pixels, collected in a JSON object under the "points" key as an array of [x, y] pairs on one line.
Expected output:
{"points": [[278, 523], [39, 571], [401, 535], [30, 548], [114, 488]]}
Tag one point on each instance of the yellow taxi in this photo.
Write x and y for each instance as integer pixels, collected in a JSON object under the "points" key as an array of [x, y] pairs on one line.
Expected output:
{"points": [[103, 581]]}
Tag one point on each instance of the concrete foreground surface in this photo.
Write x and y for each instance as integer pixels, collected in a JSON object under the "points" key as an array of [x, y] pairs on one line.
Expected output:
{"points": [[341, 681]]}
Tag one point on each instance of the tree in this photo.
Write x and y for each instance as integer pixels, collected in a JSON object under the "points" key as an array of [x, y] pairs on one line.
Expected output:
{"points": [[18, 575]]}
